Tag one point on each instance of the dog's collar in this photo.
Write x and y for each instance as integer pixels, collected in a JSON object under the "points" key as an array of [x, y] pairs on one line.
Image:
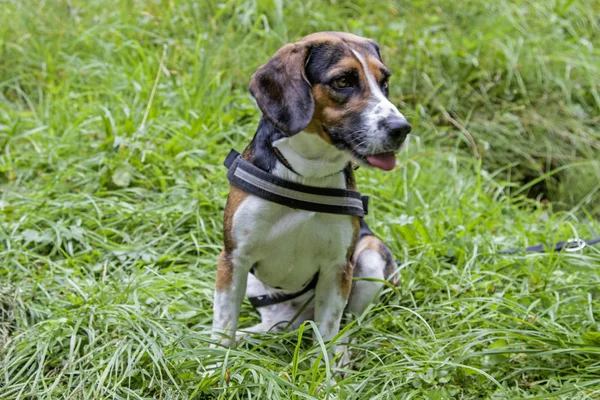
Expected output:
{"points": [[282, 159], [287, 164], [254, 180]]}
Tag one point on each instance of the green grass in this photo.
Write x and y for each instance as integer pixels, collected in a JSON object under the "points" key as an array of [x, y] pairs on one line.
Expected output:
{"points": [[112, 193]]}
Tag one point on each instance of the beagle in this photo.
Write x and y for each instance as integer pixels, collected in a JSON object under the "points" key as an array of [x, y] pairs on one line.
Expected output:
{"points": [[324, 101]]}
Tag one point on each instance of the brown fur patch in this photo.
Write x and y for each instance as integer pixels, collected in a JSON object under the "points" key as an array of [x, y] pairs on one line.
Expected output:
{"points": [[248, 153], [345, 279], [347, 63], [234, 199], [329, 112], [356, 229], [323, 101], [224, 272], [368, 242], [376, 68], [349, 176]]}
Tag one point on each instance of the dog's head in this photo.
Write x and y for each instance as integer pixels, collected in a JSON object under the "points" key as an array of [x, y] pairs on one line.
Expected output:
{"points": [[334, 85]]}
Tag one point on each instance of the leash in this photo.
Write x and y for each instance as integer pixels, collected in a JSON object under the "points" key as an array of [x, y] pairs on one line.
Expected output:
{"points": [[254, 180], [570, 246]]}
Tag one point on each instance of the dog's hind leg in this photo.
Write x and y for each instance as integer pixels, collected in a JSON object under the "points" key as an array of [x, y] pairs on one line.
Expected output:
{"points": [[373, 264], [372, 260]]}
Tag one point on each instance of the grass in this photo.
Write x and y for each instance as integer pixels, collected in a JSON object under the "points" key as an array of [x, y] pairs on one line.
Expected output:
{"points": [[112, 193]]}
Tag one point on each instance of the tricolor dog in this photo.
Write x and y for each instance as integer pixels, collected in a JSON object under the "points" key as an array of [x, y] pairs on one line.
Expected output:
{"points": [[293, 235]]}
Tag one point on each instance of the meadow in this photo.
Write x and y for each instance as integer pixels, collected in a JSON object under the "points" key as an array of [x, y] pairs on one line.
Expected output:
{"points": [[115, 117]]}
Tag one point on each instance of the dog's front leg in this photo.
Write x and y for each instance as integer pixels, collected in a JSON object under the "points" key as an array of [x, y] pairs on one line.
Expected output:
{"points": [[229, 294], [331, 296]]}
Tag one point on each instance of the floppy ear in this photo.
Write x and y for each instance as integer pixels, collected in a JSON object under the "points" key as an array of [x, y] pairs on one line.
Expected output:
{"points": [[282, 91]]}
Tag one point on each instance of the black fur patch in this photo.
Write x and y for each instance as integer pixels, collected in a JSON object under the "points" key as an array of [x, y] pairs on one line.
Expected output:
{"points": [[260, 149], [281, 90], [364, 229], [323, 57], [345, 137]]}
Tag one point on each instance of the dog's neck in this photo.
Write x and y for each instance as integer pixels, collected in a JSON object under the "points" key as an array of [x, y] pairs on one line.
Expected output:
{"points": [[313, 161], [310, 156]]}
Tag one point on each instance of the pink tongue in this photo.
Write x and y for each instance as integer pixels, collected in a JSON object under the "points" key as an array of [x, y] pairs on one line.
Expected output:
{"points": [[384, 161]]}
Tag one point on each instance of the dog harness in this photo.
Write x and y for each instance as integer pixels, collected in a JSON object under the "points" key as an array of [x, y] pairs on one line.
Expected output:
{"points": [[254, 180]]}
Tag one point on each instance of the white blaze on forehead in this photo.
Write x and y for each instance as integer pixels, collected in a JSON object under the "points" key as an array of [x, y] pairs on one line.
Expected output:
{"points": [[383, 105]]}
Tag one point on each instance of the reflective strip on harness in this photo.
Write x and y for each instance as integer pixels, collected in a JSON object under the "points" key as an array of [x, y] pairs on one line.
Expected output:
{"points": [[260, 183]]}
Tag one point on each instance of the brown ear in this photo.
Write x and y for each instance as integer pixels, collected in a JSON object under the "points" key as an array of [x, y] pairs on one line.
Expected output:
{"points": [[282, 91]]}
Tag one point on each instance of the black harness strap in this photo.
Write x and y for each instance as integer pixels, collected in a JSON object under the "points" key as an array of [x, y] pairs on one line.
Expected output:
{"points": [[254, 180], [268, 300]]}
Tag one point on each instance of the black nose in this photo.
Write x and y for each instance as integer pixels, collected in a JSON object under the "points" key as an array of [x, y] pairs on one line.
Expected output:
{"points": [[398, 128]]}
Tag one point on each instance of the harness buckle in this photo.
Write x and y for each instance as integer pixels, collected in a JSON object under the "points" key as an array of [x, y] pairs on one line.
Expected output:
{"points": [[574, 245]]}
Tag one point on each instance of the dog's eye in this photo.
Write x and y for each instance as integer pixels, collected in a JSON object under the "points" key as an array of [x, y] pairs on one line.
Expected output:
{"points": [[341, 83]]}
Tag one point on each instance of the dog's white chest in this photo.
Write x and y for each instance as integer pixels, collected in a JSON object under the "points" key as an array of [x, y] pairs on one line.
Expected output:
{"points": [[288, 246]]}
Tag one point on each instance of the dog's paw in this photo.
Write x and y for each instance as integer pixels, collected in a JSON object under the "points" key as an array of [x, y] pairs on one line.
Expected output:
{"points": [[221, 341]]}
